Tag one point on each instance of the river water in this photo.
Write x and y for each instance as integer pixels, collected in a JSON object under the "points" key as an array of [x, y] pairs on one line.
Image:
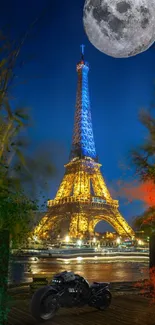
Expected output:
{"points": [[22, 269]]}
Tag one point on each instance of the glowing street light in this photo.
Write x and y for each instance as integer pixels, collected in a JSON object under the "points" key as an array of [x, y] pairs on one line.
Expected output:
{"points": [[79, 258], [67, 239], [94, 240], [118, 240], [140, 242], [79, 242]]}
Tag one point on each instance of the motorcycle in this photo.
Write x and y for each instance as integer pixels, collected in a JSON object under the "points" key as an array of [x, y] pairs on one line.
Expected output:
{"points": [[68, 289]]}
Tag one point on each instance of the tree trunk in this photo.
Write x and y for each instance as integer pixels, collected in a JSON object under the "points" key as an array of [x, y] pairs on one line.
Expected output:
{"points": [[152, 251], [4, 266]]}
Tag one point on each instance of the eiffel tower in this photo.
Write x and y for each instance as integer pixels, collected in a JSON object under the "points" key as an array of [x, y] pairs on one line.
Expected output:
{"points": [[83, 198]]}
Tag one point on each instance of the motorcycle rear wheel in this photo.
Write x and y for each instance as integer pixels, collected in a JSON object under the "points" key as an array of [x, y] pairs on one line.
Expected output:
{"points": [[106, 300], [43, 305]]}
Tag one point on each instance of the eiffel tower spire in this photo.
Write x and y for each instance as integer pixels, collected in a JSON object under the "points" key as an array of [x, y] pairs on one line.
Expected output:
{"points": [[83, 144]]}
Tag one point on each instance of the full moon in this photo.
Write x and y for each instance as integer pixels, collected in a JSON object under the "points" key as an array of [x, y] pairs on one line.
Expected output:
{"points": [[120, 28]]}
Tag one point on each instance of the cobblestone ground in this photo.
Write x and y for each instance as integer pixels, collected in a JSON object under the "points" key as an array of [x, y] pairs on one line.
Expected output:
{"points": [[124, 310]]}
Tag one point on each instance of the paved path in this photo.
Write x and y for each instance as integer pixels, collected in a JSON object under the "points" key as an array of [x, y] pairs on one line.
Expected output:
{"points": [[125, 310]]}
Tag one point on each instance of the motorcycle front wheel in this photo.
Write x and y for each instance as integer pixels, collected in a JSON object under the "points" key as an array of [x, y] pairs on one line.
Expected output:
{"points": [[44, 304], [104, 300]]}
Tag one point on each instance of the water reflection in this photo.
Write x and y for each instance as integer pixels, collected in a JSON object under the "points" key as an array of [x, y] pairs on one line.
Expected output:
{"points": [[93, 270]]}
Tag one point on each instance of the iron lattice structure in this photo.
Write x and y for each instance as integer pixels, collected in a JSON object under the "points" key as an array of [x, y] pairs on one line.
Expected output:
{"points": [[83, 198]]}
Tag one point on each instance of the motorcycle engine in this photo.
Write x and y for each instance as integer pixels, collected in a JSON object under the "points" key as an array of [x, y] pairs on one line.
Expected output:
{"points": [[73, 289]]}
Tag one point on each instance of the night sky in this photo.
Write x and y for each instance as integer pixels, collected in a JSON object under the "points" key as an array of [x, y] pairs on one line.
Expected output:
{"points": [[118, 87]]}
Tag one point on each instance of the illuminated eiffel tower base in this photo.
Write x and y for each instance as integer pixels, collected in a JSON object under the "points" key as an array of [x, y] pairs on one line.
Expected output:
{"points": [[82, 198]]}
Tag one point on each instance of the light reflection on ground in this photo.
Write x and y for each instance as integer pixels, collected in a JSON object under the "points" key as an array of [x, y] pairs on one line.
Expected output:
{"points": [[93, 270]]}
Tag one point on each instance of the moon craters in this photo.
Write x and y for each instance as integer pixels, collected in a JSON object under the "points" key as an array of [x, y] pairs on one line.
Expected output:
{"points": [[145, 16], [101, 13], [122, 7], [116, 25]]}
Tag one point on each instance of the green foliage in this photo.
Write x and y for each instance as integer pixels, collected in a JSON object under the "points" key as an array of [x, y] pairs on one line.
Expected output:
{"points": [[16, 208], [146, 221], [10, 128], [20, 173], [143, 157]]}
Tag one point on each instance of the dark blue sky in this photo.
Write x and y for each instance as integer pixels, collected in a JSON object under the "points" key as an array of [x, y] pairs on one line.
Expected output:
{"points": [[118, 87]]}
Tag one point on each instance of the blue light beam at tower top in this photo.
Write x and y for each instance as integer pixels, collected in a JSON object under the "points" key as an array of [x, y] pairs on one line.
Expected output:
{"points": [[83, 144], [82, 50]]}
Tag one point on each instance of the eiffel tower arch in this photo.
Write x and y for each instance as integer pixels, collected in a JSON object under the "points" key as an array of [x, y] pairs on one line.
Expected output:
{"points": [[83, 198]]}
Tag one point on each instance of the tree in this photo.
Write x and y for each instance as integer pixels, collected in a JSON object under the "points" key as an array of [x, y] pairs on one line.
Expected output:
{"points": [[143, 157], [16, 207], [15, 212], [9, 127]]}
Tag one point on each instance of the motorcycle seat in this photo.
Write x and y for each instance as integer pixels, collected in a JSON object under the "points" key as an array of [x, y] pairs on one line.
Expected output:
{"points": [[101, 284]]}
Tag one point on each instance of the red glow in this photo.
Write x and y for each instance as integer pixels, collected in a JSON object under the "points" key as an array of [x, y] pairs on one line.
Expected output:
{"points": [[144, 192]]}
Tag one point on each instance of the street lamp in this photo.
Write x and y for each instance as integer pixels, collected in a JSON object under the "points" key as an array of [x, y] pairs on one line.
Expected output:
{"points": [[140, 242], [79, 242], [67, 239], [118, 240]]}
